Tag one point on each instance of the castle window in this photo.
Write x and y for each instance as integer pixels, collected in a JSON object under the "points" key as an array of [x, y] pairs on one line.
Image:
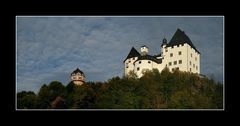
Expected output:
{"points": [[133, 58], [195, 58], [166, 50], [177, 68], [196, 68], [179, 53], [129, 61], [74, 77], [172, 69], [170, 63], [182, 44], [127, 67], [171, 54], [149, 61], [138, 69], [190, 70], [179, 61], [172, 46], [190, 63], [175, 63], [193, 65], [166, 64], [177, 45], [139, 62]]}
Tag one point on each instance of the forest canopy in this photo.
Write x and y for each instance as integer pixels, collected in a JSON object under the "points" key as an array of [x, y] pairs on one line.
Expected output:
{"points": [[154, 90]]}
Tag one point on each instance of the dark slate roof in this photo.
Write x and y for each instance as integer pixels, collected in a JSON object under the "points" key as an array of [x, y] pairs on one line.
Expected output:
{"points": [[180, 38], [77, 71], [149, 57], [144, 46], [132, 53]]}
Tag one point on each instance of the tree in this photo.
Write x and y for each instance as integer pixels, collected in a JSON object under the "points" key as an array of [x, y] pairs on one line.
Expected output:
{"points": [[26, 100], [132, 75], [154, 90], [49, 93]]}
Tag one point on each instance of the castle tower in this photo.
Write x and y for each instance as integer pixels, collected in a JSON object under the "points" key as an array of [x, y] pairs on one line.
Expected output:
{"points": [[177, 54], [182, 54], [163, 46], [144, 50], [77, 77], [131, 58]]}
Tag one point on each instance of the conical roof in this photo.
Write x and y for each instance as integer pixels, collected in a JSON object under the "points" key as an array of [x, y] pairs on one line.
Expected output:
{"points": [[132, 53], [77, 71]]}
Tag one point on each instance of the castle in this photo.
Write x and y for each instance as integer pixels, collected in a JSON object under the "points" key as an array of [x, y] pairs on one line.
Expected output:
{"points": [[77, 77], [179, 53]]}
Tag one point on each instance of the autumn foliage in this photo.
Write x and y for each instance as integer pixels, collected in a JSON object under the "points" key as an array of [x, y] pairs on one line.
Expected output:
{"points": [[165, 90]]}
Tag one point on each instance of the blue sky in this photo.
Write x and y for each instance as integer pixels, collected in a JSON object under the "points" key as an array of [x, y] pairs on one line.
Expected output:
{"points": [[50, 48]]}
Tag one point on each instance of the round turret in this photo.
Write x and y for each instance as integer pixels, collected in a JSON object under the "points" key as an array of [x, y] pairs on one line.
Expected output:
{"points": [[164, 41], [164, 44], [144, 50]]}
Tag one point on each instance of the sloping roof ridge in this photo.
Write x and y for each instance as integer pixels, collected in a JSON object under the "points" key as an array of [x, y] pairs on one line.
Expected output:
{"points": [[133, 53], [180, 37]]}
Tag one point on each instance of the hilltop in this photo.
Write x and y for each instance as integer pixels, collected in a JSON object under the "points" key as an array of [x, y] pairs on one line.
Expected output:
{"points": [[154, 90]]}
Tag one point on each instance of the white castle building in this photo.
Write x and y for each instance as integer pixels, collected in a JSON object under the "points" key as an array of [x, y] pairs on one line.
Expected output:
{"points": [[179, 54], [77, 77]]}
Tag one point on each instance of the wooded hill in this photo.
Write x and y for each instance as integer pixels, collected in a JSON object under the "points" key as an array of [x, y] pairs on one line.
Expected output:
{"points": [[165, 90]]}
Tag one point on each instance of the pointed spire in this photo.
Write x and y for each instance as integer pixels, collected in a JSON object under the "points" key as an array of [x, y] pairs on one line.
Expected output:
{"points": [[164, 42], [132, 53], [77, 71], [180, 37]]}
